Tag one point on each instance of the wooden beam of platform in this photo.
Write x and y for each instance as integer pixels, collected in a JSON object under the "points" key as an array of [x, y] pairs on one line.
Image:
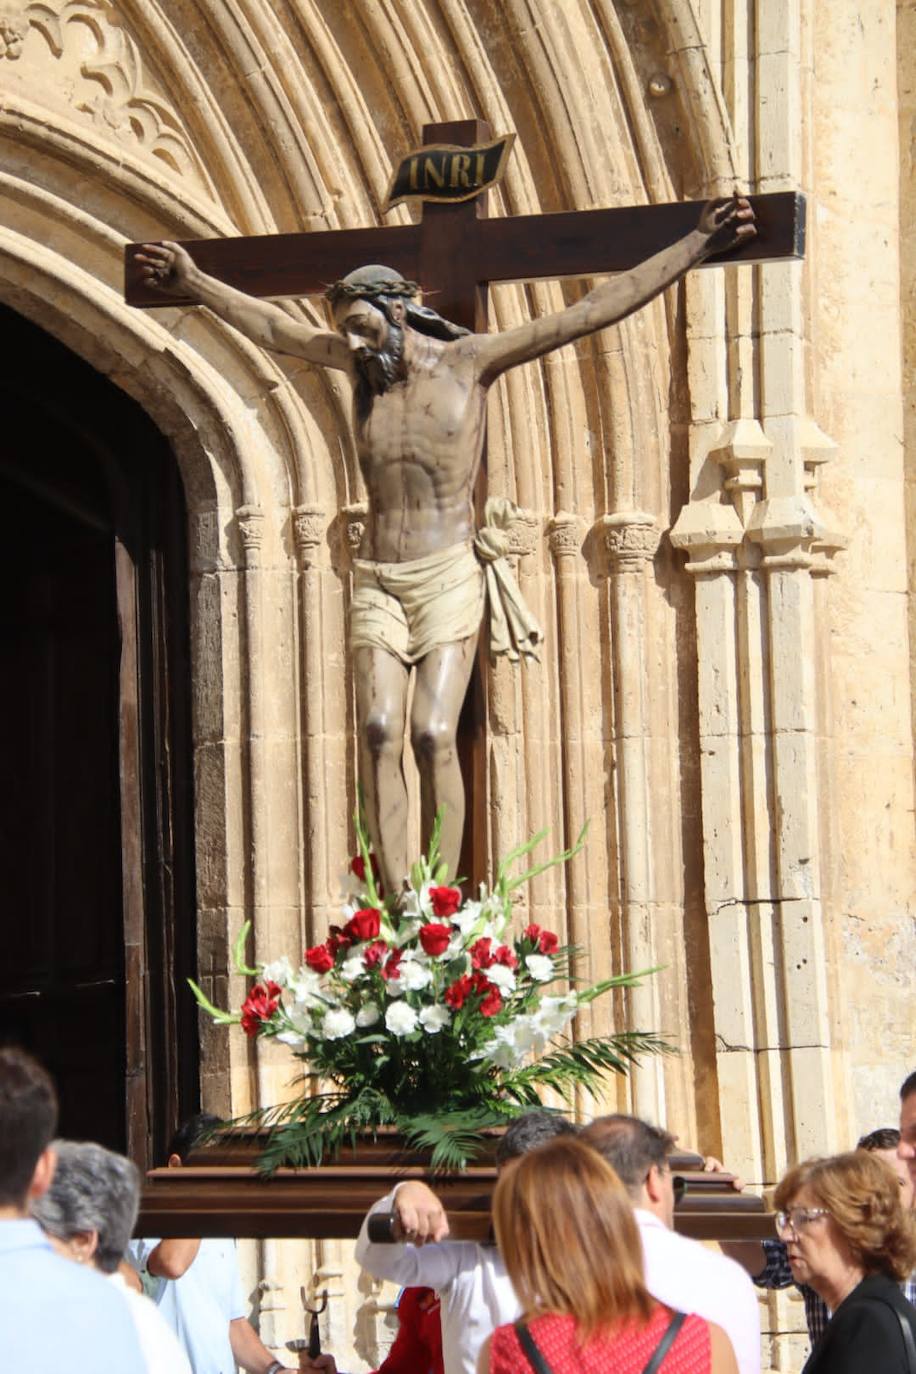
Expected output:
{"points": [[330, 1203]]}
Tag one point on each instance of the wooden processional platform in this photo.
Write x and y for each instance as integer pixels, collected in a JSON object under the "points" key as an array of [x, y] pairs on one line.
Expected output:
{"points": [[221, 1193]]}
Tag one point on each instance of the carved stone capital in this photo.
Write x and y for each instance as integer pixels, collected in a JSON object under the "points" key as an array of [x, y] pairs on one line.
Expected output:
{"points": [[250, 522], [565, 535], [354, 526], [628, 541], [523, 532], [309, 524]]}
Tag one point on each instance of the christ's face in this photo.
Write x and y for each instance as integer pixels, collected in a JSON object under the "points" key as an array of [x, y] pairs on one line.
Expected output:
{"points": [[376, 346]]}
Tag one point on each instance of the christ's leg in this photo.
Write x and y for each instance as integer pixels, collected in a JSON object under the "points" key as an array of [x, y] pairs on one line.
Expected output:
{"points": [[439, 692], [381, 712]]}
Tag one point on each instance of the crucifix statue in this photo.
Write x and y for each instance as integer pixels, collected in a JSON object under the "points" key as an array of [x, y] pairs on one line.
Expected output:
{"points": [[426, 569]]}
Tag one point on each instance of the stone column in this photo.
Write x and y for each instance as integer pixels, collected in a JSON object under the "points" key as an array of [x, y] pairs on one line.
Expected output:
{"points": [[626, 543]]}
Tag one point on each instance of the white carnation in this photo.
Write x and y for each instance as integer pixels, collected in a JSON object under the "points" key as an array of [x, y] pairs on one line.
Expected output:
{"points": [[337, 1023], [280, 971], [432, 1019], [352, 967], [400, 1018], [540, 966], [413, 976], [367, 1015], [502, 976], [306, 987]]}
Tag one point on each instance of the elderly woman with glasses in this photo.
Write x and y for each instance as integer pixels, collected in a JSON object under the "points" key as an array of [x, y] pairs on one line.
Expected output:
{"points": [[88, 1214], [848, 1237]]}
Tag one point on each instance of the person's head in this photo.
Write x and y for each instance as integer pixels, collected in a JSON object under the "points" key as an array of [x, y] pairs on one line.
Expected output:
{"points": [[195, 1129], [566, 1231], [28, 1120], [638, 1154], [883, 1144], [843, 1215], [906, 1148], [529, 1131], [372, 307], [91, 1206]]}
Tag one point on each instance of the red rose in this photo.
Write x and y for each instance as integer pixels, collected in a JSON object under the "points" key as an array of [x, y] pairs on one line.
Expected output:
{"points": [[320, 958], [337, 940], [374, 953], [480, 952], [531, 933], [456, 993], [548, 942], [259, 1006], [392, 964], [505, 955], [445, 900], [434, 938], [492, 1002], [358, 867], [365, 924]]}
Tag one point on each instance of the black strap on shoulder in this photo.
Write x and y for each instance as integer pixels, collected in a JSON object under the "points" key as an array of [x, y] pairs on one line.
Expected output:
{"points": [[909, 1344], [529, 1345], [540, 1365], [666, 1342]]}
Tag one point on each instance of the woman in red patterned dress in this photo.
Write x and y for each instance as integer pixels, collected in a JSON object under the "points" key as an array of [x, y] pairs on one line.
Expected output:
{"points": [[565, 1228]]}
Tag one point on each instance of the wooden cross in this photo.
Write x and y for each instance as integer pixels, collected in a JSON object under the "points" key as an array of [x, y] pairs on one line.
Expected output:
{"points": [[455, 252]]}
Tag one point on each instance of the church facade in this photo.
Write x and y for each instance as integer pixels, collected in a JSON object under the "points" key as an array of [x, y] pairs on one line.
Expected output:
{"points": [[716, 535]]}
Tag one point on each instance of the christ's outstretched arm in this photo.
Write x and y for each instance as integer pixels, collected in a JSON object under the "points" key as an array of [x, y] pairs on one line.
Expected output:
{"points": [[723, 223]]}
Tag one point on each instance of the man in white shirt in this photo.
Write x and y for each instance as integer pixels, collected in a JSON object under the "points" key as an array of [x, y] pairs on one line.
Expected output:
{"points": [[680, 1273], [471, 1281]]}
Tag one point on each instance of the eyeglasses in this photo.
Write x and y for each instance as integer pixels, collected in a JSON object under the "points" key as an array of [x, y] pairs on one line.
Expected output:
{"points": [[798, 1219]]}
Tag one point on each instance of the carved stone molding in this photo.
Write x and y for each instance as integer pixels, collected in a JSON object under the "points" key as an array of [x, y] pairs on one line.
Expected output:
{"points": [[352, 528], [742, 455], [250, 522], [113, 88], [309, 524], [565, 535]]}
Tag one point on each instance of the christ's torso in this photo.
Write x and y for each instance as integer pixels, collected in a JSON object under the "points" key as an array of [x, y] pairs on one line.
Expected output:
{"points": [[419, 449]]}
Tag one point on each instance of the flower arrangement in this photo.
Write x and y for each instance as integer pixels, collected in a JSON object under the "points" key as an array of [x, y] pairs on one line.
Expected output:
{"points": [[425, 1012]]}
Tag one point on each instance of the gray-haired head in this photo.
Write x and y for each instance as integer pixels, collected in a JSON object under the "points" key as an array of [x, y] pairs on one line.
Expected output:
{"points": [[529, 1131], [381, 286], [93, 1189]]}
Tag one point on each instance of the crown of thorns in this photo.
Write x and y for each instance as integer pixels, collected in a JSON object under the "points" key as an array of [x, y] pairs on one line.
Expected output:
{"points": [[368, 291]]}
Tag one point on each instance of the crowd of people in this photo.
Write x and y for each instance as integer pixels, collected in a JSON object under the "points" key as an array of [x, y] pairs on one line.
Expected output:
{"points": [[585, 1275]]}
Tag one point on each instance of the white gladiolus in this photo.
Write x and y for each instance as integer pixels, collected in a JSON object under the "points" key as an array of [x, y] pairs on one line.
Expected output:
{"points": [[293, 1039], [432, 1019], [555, 1013], [540, 966], [306, 987], [367, 1015], [400, 1018], [466, 917], [337, 1023], [502, 976]]}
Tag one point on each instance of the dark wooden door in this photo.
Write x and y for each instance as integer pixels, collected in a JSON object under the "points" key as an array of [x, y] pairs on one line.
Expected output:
{"points": [[95, 801]]}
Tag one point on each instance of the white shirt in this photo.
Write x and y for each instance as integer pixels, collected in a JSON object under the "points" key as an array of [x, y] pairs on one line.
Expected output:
{"points": [[684, 1274], [158, 1342], [200, 1305], [472, 1284]]}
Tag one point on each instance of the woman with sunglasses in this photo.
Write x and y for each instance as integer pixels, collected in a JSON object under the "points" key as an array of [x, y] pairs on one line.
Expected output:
{"points": [[565, 1227], [848, 1237]]}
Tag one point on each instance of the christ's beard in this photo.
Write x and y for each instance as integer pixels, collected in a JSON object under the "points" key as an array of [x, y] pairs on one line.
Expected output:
{"points": [[377, 369]]}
